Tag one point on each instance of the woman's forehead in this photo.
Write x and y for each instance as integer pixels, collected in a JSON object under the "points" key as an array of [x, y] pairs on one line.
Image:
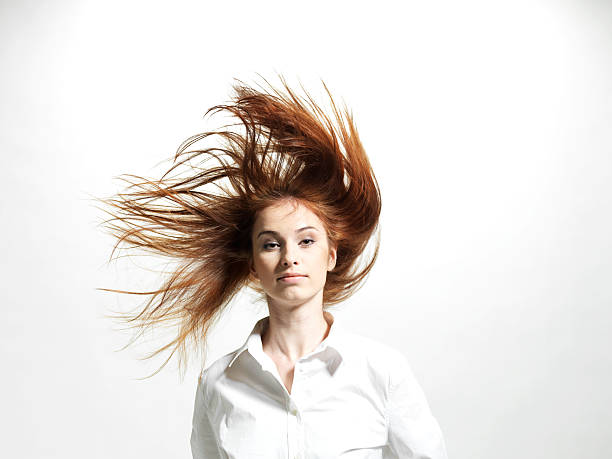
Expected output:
{"points": [[287, 213]]}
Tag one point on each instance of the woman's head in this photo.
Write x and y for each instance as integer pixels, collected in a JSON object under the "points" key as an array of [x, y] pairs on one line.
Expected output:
{"points": [[284, 153], [291, 253]]}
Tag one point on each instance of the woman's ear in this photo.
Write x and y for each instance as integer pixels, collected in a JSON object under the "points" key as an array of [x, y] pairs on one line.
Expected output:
{"points": [[333, 251], [252, 269]]}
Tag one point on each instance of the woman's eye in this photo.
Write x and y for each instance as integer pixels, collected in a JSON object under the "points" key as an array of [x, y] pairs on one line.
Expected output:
{"points": [[273, 245]]}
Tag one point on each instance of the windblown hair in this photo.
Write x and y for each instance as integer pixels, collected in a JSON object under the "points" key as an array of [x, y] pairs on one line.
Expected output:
{"points": [[282, 146]]}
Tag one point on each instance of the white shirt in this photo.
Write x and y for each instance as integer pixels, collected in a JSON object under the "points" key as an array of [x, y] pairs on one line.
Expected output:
{"points": [[351, 397]]}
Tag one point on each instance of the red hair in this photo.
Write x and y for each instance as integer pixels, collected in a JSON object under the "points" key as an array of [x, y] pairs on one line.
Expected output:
{"points": [[282, 146]]}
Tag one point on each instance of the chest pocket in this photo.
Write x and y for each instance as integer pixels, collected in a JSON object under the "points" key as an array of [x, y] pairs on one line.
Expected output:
{"points": [[242, 435], [363, 441], [347, 433]]}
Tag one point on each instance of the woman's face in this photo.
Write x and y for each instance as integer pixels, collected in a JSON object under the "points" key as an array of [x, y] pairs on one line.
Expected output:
{"points": [[289, 239]]}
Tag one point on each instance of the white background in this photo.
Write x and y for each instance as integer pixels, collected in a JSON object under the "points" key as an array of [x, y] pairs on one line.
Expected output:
{"points": [[487, 124]]}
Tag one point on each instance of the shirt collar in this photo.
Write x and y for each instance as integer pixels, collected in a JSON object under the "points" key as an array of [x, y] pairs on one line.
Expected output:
{"points": [[254, 344]]}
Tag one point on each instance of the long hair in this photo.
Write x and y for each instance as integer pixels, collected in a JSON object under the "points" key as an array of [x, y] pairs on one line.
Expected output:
{"points": [[281, 145]]}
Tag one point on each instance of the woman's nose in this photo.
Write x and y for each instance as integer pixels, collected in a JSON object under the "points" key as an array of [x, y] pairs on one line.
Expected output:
{"points": [[289, 258]]}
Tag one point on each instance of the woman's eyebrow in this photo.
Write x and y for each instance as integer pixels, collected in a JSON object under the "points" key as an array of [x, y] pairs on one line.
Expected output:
{"points": [[297, 231]]}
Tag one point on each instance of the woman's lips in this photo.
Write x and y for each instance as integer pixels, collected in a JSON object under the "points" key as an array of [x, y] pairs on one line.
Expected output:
{"points": [[292, 278]]}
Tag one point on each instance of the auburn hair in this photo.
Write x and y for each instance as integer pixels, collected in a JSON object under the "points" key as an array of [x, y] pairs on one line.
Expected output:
{"points": [[282, 145]]}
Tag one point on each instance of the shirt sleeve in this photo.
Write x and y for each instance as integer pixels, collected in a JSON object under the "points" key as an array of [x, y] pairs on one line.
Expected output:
{"points": [[413, 431], [203, 438]]}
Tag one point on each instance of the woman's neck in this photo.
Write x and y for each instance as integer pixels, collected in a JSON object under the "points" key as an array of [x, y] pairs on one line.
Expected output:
{"points": [[293, 333]]}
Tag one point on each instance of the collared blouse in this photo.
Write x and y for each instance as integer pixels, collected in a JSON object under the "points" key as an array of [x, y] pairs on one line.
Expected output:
{"points": [[351, 397]]}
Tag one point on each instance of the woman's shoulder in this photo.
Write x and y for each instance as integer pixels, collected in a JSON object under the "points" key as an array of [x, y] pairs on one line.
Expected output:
{"points": [[378, 356], [370, 347], [213, 371]]}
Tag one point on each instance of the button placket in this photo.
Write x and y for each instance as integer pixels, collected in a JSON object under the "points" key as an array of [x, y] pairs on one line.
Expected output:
{"points": [[294, 429]]}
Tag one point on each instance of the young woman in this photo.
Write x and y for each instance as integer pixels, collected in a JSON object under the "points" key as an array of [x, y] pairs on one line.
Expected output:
{"points": [[287, 210]]}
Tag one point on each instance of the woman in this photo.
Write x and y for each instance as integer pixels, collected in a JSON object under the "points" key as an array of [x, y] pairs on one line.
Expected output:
{"points": [[298, 204]]}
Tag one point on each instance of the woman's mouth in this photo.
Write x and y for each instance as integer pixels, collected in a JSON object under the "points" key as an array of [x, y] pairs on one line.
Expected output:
{"points": [[291, 278]]}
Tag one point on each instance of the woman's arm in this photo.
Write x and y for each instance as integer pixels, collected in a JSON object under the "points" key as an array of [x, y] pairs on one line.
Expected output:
{"points": [[413, 431], [203, 438]]}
